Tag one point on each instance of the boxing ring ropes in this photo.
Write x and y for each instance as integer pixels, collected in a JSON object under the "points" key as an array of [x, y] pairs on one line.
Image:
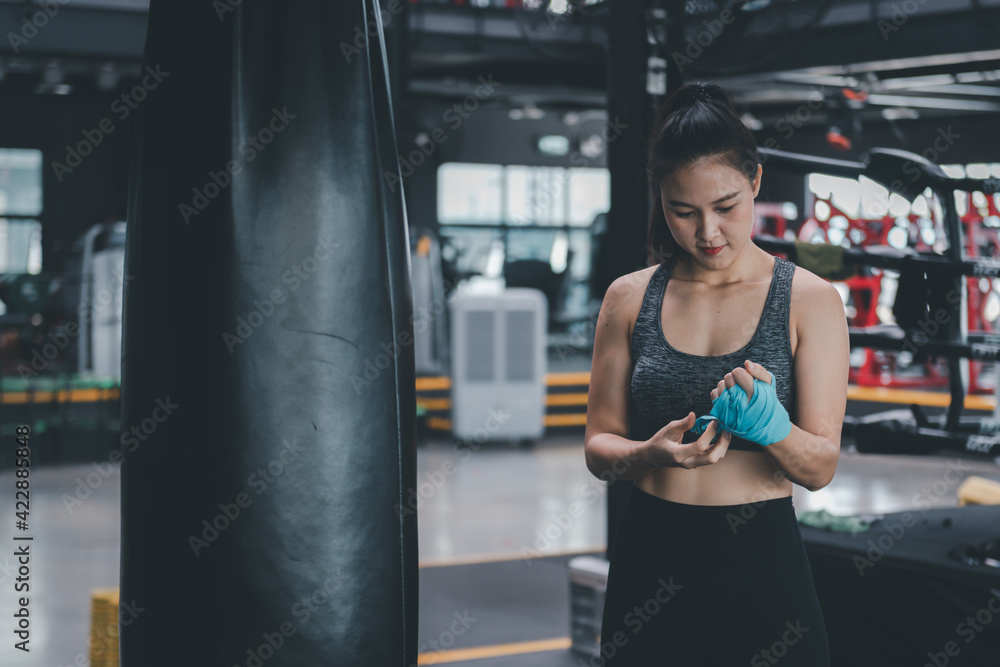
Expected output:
{"points": [[939, 281]]}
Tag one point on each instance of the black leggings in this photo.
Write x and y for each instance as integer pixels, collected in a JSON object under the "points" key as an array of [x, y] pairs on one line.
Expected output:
{"points": [[718, 585]]}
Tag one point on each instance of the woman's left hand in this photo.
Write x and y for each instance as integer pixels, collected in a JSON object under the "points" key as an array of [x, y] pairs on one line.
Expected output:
{"points": [[744, 377]]}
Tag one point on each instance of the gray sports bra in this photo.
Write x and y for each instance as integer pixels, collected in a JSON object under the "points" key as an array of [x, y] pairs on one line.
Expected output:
{"points": [[666, 383]]}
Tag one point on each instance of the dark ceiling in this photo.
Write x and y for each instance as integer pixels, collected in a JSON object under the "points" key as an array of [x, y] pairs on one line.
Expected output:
{"points": [[779, 58]]}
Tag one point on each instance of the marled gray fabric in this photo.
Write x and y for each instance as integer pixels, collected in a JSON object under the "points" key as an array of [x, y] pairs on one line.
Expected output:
{"points": [[666, 383]]}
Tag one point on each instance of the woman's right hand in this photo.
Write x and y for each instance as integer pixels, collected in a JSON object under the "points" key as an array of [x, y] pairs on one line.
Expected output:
{"points": [[666, 449]]}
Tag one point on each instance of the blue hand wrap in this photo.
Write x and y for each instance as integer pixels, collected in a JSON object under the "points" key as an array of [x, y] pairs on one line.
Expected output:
{"points": [[762, 419]]}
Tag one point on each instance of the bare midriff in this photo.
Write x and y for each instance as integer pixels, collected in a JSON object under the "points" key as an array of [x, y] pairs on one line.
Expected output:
{"points": [[739, 477]]}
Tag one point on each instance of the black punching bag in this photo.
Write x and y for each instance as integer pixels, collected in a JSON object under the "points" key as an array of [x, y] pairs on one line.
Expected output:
{"points": [[268, 389]]}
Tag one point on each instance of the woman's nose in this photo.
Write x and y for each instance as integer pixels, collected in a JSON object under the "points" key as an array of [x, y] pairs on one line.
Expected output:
{"points": [[709, 228]]}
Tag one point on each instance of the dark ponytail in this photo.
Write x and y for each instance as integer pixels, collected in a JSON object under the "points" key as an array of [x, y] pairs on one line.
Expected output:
{"points": [[697, 120]]}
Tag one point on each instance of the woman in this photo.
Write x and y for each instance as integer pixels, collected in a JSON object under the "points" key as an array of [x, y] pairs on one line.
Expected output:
{"points": [[707, 564]]}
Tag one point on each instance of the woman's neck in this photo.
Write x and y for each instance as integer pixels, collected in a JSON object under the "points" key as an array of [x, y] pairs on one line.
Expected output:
{"points": [[750, 266]]}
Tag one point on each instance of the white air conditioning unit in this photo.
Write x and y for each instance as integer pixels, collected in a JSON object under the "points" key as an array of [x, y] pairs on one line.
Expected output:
{"points": [[498, 364]]}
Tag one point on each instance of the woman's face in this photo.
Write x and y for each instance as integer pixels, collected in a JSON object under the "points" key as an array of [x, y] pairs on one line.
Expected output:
{"points": [[708, 204]]}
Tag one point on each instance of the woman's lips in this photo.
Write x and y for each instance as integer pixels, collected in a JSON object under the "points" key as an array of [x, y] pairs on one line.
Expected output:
{"points": [[713, 251]]}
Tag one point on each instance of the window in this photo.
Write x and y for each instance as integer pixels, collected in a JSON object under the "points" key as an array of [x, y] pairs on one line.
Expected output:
{"points": [[493, 194], [20, 204], [493, 214]]}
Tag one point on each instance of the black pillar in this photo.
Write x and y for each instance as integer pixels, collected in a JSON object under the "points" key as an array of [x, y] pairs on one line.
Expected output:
{"points": [[628, 216]]}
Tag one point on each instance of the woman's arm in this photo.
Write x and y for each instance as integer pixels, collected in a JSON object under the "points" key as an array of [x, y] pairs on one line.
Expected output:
{"points": [[609, 453], [809, 454]]}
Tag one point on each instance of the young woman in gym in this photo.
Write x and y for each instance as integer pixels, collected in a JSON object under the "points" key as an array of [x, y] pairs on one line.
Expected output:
{"points": [[719, 380]]}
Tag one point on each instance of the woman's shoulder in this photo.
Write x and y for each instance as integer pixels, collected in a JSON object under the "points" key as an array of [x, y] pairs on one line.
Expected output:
{"points": [[813, 300], [626, 293], [632, 285], [808, 289]]}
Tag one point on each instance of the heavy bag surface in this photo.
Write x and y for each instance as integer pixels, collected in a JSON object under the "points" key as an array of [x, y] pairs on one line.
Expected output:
{"points": [[268, 400]]}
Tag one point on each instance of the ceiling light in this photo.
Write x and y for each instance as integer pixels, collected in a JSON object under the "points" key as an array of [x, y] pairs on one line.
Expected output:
{"points": [[529, 111], [592, 146], [52, 73], [107, 77], [553, 144], [899, 113], [751, 121]]}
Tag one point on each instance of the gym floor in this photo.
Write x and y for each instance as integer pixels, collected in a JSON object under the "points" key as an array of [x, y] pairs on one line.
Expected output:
{"points": [[492, 592]]}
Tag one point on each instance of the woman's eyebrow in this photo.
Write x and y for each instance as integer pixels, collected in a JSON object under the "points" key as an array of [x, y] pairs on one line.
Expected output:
{"points": [[674, 202]]}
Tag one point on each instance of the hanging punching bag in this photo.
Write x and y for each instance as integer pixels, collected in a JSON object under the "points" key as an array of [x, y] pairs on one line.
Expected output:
{"points": [[268, 389]]}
